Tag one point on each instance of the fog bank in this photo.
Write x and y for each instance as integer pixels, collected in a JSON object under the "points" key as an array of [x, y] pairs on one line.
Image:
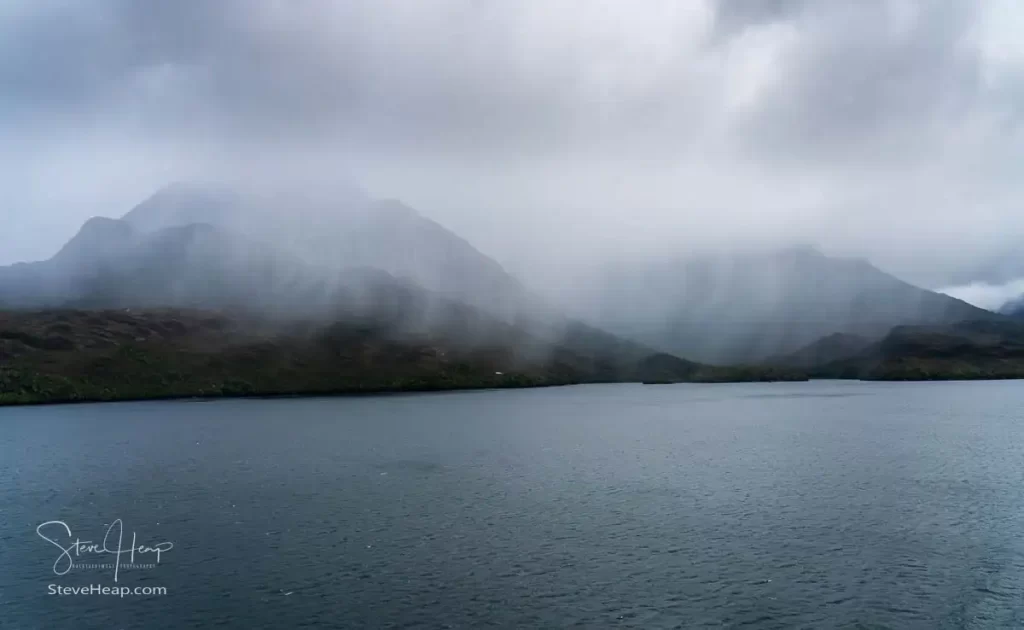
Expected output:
{"points": [[552, 134]]}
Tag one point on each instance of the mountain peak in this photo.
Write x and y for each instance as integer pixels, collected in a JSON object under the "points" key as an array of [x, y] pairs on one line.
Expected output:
{"points": [[394, 209], [106, 225], [98, 235], [804, 251], [182, 203]]}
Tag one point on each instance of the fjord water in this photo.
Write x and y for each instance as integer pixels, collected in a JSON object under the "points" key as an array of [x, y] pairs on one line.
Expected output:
{"points": [[821, 504]]}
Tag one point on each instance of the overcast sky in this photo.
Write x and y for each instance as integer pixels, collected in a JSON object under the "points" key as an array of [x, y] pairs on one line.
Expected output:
{"points": [[542, 130]]}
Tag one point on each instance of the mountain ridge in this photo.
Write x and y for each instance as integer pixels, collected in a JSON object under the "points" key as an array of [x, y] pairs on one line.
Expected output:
{"points": [[210, 247], [352, 230], [112, 271], [748, 308]]}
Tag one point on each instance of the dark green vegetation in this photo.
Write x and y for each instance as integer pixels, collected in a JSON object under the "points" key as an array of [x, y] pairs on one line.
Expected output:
{"points": [[734, 374], [746, 373], [78, 355], [57, 356], [967, 350]]}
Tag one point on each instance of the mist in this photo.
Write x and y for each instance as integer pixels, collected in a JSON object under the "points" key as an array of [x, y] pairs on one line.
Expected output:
{"points": [[988, 296], [554, 137]]}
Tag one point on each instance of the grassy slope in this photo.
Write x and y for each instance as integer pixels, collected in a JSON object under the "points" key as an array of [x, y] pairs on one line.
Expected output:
{"points": [[114, 355], [76, 355], [964, 351]]}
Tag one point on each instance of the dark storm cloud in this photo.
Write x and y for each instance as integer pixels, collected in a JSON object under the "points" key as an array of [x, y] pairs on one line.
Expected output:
{"points": [[66, 56], [172, 66], [881, 128], [398, 76], [487, 76]]}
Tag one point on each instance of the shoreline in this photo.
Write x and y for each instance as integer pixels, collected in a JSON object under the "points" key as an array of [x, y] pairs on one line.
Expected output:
{"points": [[386, 391], [340, 393]]}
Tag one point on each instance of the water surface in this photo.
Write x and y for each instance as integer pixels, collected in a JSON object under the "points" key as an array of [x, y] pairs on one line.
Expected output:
{"points": [[813, 505]]}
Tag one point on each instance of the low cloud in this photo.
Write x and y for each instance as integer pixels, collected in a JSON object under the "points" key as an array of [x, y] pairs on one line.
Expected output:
{"points": [[988, 296], [550, 133]]}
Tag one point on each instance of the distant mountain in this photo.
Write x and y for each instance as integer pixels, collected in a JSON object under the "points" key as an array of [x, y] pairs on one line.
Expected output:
{"points": [[58, 355], [965, 350], [750, 307], [341, 256], [334, 231], [344, 228], [73, 355], [834, 347], [1013, 308], [112, 265]]}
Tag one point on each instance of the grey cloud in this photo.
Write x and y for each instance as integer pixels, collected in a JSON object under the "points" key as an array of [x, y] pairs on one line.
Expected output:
{"points": [[733, 17], [446, 77], [469, 75], [867, 81], [541, 131]]}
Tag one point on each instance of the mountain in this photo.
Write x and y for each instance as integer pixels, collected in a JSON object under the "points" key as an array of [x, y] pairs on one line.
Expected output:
{"points": [[1013, 308], [834, 347], [336, 230], [65, 355], [747, 308], [110, 264], [75, 355], [343, 228], [964, 350], [120, 300]]}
